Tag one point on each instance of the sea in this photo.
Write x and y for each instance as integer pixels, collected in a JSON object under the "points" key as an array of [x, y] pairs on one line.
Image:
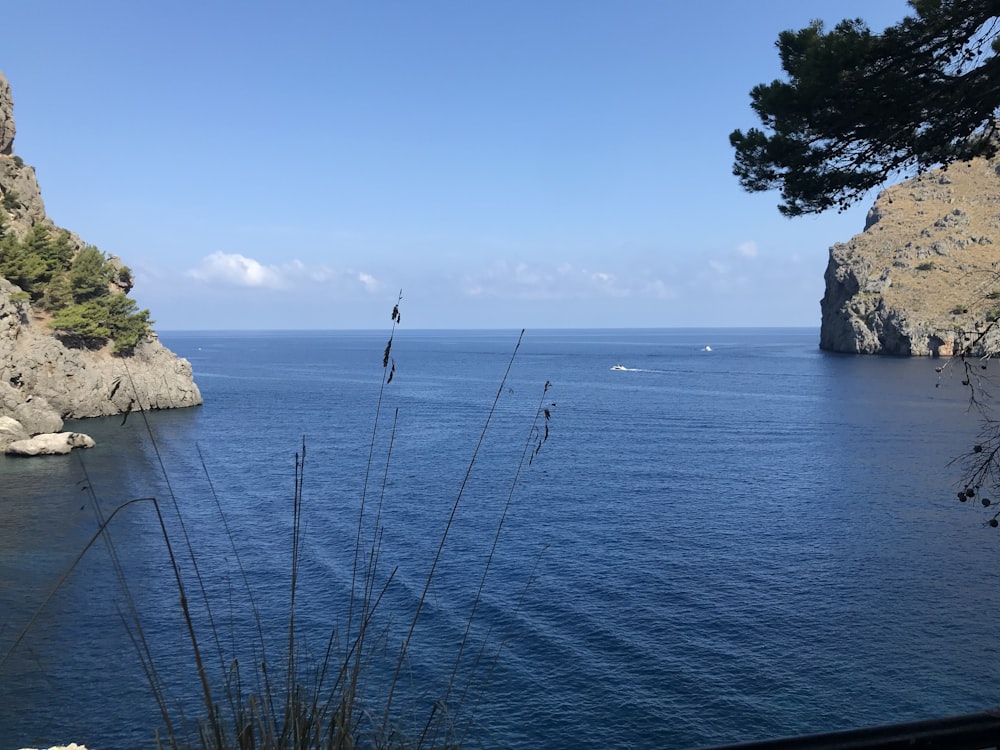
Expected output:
{"points": [[736, 537]]}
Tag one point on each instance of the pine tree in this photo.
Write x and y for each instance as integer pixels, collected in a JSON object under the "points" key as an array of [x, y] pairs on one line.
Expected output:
{"points": [[858, 108]]}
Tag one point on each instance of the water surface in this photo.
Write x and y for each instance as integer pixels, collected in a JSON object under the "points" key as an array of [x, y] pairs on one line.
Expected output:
{"points": [[712, 546]]}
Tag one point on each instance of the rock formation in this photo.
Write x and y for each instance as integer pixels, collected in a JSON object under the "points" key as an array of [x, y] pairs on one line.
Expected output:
{"points": [[923, 278], [50, 444], [6, 118], [11, 430], [42, 381], [38, 371]]}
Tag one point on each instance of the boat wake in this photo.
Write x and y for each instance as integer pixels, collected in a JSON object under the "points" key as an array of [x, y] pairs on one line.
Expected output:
{"points": [[621, 368]]}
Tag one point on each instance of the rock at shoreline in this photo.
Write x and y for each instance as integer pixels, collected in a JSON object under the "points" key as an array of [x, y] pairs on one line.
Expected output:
{"points": [[34, 413], [11, 431], [72, 383], [52, 444], [922, 278]]}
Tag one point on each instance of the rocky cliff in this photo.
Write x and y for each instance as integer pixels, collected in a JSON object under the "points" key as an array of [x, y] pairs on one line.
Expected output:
{"points": [[923, 278], [43, 381], [6, 118]]}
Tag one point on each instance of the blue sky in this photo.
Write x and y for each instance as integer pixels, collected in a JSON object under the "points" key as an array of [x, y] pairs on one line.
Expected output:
{"points": [[506, 164]]}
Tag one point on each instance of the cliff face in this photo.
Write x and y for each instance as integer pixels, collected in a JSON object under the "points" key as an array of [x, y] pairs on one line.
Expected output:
{"points": [[42, 381], [923, 278], [6, 118], [36, 367]]}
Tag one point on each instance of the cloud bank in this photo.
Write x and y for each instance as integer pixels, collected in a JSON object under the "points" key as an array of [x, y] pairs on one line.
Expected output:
{"points": [[234, 269], [563, 281]]}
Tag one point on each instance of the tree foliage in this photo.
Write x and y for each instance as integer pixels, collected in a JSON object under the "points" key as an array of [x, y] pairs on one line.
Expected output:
{"points": [[90, 274], [83, 323], [858, 108], [81, 289], [92, 322], [34, 262]]}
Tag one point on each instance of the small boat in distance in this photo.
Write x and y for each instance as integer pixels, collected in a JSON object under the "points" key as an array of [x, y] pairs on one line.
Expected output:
{"points": [[619, 367], [707, 349]]}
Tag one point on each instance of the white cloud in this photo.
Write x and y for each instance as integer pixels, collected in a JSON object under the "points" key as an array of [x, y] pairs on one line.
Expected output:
{"points": [[748, 249], [719, 267], [659, 290], [237, 270], [368, 281], [563, 281], [234, 269]]}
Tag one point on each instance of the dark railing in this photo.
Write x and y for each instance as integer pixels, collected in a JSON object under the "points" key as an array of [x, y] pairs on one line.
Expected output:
{"points": [[967, 732]]}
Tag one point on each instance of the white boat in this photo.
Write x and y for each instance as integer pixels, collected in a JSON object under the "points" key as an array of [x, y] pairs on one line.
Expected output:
{"points": [[707, 349], [619, 367]]}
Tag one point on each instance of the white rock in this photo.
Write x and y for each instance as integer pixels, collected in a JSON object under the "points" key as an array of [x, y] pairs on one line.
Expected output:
{"points": [[11, 431], [50, 444]]}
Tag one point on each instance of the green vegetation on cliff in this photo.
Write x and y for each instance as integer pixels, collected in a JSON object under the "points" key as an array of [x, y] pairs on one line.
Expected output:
{"points": [[84, 291]]}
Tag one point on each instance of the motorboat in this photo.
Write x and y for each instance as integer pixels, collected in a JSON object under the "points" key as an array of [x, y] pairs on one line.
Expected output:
{"points": [[619, 367]]}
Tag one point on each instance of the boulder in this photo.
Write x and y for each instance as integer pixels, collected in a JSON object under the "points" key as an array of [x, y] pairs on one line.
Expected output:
{"points": [[50, 444], [37, 416], [34, 413], [11, 431]]}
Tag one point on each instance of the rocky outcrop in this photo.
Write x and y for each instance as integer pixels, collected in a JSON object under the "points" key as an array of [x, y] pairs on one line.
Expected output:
{"points": [[11, 431], [42, 380], [923, 278], [32, 412], [22, 198], [50, 444], [6, 117], [37, 370]]}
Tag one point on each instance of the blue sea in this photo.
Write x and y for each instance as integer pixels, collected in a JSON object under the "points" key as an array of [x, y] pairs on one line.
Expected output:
{"points": [[752, 540]]}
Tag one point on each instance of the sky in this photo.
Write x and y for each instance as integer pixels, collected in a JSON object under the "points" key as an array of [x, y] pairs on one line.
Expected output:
{"points": [[504, 164]]}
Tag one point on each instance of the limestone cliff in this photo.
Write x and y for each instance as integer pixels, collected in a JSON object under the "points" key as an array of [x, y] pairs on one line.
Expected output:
{"points": [[43, 381], [6, 118], [923, 278]]}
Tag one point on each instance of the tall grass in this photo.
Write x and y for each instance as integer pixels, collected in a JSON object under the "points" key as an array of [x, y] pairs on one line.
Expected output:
{"points": [[300, 698]]}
